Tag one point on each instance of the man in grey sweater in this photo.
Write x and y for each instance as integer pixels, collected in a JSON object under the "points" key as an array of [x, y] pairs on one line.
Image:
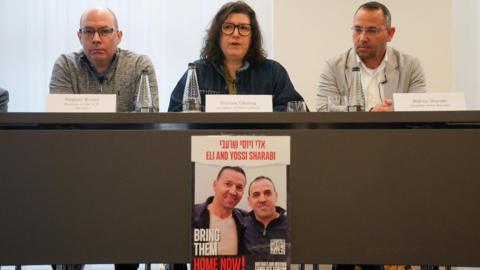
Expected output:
{"points": [[101, 67]]}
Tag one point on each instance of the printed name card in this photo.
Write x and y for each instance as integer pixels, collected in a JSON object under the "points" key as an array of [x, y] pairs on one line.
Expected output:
{"points": [[415, 102], [81, 103], [238, 103]]}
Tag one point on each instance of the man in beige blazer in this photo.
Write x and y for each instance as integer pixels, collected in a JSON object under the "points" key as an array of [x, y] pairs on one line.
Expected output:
{"points": [[384, 70]]}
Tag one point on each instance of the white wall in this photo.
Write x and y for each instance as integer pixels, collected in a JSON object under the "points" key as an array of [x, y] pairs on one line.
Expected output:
{"points": [[308, 32], [466, 50]]}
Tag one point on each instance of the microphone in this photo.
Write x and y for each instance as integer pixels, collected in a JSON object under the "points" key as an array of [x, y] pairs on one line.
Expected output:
{"points": [[100, 78], [384, 79], [380, 87]]}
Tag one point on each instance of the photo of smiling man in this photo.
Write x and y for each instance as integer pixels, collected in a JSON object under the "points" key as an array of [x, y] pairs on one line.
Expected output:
{"points": [[218, 225], [266, 225]]}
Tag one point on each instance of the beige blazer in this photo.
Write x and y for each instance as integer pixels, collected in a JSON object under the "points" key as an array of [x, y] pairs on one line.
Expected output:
{"points": [[403, 73]]}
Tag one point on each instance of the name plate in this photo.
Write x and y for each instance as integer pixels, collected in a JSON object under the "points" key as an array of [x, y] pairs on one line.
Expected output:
{"points": [[416, 102], [84, 103], [238, 103]]}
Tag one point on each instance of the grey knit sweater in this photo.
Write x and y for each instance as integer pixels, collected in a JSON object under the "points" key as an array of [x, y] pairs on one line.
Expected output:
{"points": [[3, 100], [72, 74]]}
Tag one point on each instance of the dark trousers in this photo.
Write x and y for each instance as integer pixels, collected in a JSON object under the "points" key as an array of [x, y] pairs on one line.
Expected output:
{"points": [[126, 266], [179, 266], [352, 267], [117, 266]]}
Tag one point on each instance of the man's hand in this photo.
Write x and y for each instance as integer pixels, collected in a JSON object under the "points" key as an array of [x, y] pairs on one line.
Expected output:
{"points": [[385, 106]]}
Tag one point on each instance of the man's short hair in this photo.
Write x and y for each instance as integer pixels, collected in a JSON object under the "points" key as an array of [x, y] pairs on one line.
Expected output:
{"points": [[115, 21], [375, 6], [233, 168], [258, 178]]}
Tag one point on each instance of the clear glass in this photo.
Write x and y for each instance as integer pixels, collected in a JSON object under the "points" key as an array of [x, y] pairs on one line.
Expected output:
{"points": [[143, 103], [337, 103], [322, 104], [296, 106], [191, 95]]}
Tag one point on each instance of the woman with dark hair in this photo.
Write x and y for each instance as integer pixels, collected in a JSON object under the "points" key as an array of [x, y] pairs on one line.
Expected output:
{"points": [[233, 61], [3, 100]]}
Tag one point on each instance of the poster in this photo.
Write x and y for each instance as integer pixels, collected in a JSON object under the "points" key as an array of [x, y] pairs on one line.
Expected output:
{"points": [[239, 219]]}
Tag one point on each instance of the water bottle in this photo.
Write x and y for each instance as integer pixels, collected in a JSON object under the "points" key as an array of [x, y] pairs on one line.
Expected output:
{"points": [[356, 98], [144, 94], [191, 96]]}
